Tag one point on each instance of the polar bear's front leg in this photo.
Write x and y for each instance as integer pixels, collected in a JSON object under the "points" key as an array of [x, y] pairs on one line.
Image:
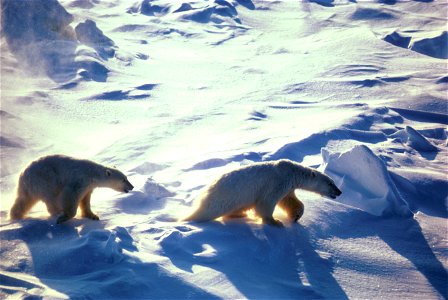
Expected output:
{"points": [[86, 211], [292, 205]]}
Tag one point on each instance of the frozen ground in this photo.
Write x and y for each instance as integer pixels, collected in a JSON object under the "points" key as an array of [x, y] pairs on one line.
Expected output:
{"points": [[175, 93]]}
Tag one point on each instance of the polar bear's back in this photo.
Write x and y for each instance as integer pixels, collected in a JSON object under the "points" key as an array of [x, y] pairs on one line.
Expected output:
{"points": [[247, 181], [236, 190], [46, 176]]}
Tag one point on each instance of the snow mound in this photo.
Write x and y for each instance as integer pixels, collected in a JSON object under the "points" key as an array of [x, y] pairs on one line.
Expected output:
{"points": [[371, 14], [151, 197], [156, 190], [149, 8], [25, 22], [217, 11], [89, 34], [311, 145], [436, 46], [82, 253], [120, 95], [365, 181], [414, 139], [326, 3], [248, 256], [90, 254], [39, 35], [398, 39], [418, 141], [424, 191], [422, 116]]}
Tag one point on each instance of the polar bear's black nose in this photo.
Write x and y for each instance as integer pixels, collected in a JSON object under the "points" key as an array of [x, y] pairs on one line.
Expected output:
{"points": [[338, 192], [129, 187]]}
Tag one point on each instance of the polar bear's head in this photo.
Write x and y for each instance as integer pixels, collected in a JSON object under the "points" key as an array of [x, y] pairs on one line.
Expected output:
{"points": [[322, 184], [116, 180], [308, 179]]}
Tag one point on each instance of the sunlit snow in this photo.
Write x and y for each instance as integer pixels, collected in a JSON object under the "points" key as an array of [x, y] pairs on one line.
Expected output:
{"points": [[175, 93]]}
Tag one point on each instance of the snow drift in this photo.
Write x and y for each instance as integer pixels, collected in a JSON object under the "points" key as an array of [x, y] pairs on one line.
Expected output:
{"points": [[39, 34], [436, 46], [219, 12], [365, 182]]}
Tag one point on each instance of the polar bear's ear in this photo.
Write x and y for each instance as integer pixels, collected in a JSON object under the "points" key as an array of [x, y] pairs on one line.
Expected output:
{"points": [[108, 172]]}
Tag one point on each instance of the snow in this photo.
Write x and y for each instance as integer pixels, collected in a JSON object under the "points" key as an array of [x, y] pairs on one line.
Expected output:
{"points": [[366, 183], [175, 93]]}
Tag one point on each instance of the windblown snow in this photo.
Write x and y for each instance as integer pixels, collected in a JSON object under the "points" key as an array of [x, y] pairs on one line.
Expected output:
{"points": [[175, 93]]}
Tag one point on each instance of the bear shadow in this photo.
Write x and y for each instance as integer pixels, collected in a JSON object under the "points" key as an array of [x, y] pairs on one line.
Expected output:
{"points": [[82, 259], [256, 259], [402, 235]]}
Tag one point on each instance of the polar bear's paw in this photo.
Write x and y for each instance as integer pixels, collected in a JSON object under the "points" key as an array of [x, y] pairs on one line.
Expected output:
{"points": [[92, 216], [87, 213], [62, 219]]}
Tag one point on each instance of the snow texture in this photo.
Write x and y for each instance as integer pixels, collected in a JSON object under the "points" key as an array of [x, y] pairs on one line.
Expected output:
{"points": [[176, 93]]}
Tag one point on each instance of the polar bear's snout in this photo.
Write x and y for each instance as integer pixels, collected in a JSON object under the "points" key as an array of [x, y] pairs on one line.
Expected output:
{"points": [[326, 187], [335, 192], [338, 193], [128, 187]]}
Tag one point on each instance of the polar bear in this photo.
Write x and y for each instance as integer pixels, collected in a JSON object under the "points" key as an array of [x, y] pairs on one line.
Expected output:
{"points": [[63, 183], [262, 186]]}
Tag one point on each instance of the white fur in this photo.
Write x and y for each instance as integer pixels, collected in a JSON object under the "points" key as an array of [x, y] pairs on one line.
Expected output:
{"points": [[261, 186], [63, 183]]}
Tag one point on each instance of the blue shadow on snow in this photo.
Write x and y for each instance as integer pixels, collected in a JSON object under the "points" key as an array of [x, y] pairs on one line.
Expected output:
{"points": [[81, 259], [259, 260]]}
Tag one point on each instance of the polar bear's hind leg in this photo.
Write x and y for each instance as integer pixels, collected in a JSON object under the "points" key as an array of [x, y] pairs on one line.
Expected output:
{"points": [[22, 204], [21, 207], [69, 200]]}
